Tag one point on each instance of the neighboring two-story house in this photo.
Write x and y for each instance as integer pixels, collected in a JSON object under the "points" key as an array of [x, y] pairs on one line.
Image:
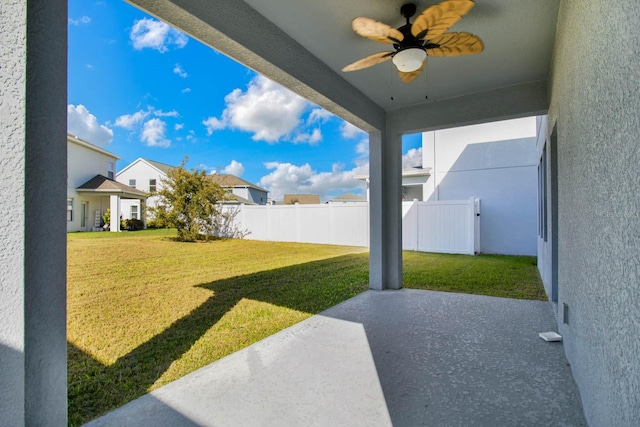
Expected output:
{"points": [[147, 175], [241, 191], [144, 175], [92, 188]]}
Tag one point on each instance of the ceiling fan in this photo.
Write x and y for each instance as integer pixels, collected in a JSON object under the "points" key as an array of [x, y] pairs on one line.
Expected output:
{"points": [[427, 36]]}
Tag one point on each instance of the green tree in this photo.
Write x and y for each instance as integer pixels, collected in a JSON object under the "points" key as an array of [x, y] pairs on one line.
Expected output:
{"points": [[189, 201]]}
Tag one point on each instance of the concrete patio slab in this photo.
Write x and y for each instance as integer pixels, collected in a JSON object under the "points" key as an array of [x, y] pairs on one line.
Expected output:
{"points": [[404, 357]]}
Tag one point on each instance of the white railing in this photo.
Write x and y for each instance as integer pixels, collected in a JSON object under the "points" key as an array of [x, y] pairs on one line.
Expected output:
{"points": [[449, 227]]}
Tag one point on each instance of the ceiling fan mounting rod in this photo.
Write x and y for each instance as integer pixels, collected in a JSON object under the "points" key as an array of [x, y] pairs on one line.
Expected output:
{"points": [[408, 10]]}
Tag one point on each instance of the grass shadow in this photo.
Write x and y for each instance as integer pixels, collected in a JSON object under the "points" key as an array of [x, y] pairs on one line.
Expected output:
{"points": [[95, 389], [308, 288]]}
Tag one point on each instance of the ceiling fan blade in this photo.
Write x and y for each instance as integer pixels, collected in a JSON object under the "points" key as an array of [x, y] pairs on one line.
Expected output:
{"points": [[456, 44], [437, 19], [376, 31], [369, 61], [411, 76]]}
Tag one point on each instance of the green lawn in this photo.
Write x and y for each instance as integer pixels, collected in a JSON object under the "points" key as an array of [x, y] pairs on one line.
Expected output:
{"points": [[144, 310]]}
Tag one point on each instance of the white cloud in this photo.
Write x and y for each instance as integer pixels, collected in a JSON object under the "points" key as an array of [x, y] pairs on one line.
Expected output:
{"points": [[412, 158], [362, 148], [156, 35], [180, 71], [318, 115], [213, 124], [160, 113], [186, 90], [312, 138], [153, 133], [234, 168], [178, 126], [83, 20], [349, 131], [128, 121], [83, 124], [287, 178], [266, 109]]}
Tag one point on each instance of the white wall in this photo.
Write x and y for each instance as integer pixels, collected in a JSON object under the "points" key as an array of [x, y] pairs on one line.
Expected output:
{"points": [[594, 107], [142, 172], [83, 163], [33, 157], [497, 163]]}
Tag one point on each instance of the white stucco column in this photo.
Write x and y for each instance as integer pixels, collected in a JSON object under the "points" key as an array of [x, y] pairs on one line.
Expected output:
{"points": [[33, 151], [114, 206], [385, 211]]}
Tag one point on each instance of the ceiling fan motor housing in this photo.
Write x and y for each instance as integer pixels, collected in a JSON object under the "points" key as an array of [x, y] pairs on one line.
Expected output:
{"points": [[407, 10]]}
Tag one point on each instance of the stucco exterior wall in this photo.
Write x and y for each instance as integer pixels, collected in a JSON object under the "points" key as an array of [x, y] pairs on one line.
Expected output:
{"points": [[496, 163], [13, 34], [33, 185], [595, 99]]}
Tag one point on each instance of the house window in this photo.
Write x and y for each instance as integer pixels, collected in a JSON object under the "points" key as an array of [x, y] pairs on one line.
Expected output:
{"points": [[152, 186], [132, 183], [69, 209], [111, 171], [543, 209], [134, 212]]}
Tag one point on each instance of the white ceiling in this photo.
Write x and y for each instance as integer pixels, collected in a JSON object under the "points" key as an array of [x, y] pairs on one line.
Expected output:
{"points": [[518, 36], [303, 45]]}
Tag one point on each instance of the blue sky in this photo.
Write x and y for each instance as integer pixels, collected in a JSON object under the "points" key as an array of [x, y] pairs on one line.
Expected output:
{"points": [[140, 88]]}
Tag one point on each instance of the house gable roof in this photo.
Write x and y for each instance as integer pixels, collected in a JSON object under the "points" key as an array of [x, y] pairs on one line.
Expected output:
{"points": [[102, 184], [163, 168], [234, 199], [232, 181], [348, 197], [302, 199]]}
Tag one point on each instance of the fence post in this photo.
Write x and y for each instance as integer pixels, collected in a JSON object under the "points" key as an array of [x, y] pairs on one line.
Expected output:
{"points": [[416, 223], [269, 228], [477, 226], [331, 231], [472, 226], [298, 222]]}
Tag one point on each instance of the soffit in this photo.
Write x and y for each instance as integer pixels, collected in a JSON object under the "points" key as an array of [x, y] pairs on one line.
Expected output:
{"points": [[518, 36]]}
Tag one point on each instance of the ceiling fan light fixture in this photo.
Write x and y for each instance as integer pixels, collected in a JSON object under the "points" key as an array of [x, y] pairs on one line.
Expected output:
{"points": [[409, 60]]}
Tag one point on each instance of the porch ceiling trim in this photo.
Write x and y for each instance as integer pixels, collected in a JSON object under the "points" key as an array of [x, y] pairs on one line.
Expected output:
{"points": [[523, 100]]}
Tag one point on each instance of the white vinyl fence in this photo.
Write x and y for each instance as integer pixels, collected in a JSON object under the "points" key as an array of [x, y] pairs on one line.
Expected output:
{"points": [[335, 224], [449, 227]]}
